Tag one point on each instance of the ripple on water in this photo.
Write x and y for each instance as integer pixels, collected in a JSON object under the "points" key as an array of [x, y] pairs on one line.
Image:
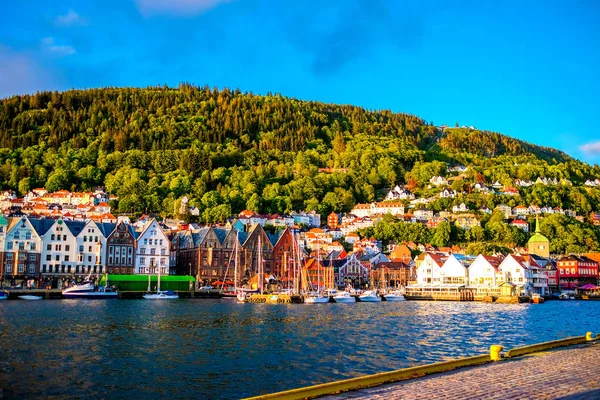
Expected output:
{"points": [[218, 349]]}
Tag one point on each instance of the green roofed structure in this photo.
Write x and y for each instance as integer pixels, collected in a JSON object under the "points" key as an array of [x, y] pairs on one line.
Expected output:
{"points": [[538, 244], [139, 283]]}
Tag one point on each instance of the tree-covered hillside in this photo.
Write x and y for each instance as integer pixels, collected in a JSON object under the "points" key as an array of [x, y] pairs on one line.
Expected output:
{"points": [[227, 150]]}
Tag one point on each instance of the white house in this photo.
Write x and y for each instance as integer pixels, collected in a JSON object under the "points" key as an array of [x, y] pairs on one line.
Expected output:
{"points": [[152, 251], [485, 272], [438, 180], [429, 267], [22, 247], [525, 274], [519, 223], [455, 269]]}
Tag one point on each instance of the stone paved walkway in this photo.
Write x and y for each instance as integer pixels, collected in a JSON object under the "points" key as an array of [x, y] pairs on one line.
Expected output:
{"points": [[567, 374]]}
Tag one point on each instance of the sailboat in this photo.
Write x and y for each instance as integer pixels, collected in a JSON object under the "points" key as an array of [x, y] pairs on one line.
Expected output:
{"points": [[160, 295], [317, 297]]}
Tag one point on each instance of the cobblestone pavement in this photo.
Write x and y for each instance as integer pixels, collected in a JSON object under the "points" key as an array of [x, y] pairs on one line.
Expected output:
{"points": [[568, 374]]}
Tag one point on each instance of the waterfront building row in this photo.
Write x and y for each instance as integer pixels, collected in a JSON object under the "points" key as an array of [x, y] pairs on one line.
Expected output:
{"points": [[53, 248]]}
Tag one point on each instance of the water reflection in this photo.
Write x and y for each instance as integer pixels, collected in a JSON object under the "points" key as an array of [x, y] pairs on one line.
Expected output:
{"points": [[221, 349]]}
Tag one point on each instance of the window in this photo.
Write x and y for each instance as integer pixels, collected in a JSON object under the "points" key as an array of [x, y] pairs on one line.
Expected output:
{"points": [[162, 252], [27, 235], [143, 250], [95, 238], [32, 246], [145, 241], [31, 269], [85, 238], [9, 245], [110, 250], [9, 268], [48, 257], [81, 248], [152, 251], [57, 258], [32, 257], [21, 267], [89, 258], [17, 235], [49, 247], [67, 247], [161, 242], [9, 256], [142, 260], [66, 258], [89, 249], [21, 256], [573, 271]]}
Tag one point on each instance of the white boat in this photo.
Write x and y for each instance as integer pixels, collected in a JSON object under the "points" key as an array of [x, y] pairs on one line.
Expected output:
{"points": [[344, 297], [315, 299], [160, 294], [87, 290], [30, 297], [394, 296], [369, 296]]}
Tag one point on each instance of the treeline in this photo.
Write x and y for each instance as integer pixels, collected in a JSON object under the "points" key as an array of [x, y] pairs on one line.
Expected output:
{"points": [[495, 235], [227, 150]]}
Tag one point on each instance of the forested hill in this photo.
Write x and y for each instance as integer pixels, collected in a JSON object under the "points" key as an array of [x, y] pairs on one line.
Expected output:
{"points": [[227, 150]]}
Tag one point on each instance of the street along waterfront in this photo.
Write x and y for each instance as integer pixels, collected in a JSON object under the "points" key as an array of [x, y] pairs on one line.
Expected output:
{"points": [[222, 349]]}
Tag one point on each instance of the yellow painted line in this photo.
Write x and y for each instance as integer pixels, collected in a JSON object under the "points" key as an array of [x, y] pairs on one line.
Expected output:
{"points": [[373, 380]]}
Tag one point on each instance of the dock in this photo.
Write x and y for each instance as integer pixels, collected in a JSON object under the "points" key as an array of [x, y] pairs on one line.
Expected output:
{"points": [[568, 373], [560, 369]]}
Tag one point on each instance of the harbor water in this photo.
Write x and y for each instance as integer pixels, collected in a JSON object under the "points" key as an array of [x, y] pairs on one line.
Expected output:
{"points": [[220, 349]]}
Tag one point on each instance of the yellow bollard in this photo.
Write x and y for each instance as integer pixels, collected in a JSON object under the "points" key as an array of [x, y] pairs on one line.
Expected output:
{"points": [[589, 336], [495, 352]]}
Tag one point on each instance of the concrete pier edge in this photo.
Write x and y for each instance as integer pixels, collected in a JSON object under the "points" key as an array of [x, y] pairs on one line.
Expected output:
{"points": [[366, 381]]}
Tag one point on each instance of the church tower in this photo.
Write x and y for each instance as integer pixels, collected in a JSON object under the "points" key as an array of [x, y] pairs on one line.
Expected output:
{"points": [[538, 244]]}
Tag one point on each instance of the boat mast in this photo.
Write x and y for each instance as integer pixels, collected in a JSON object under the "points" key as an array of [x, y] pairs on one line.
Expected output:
{"points": [[318, 267], [235, 263], [260, 266]]}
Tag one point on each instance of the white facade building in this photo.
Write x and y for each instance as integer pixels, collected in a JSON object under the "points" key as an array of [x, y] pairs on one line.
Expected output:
{"points": [[153, 249]]}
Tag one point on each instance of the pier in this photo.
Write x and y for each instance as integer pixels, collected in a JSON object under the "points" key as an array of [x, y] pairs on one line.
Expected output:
{"points": [[564, 368]]}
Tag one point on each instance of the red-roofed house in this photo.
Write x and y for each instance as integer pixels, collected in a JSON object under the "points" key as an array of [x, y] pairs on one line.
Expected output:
{"points": [[519, 223]]}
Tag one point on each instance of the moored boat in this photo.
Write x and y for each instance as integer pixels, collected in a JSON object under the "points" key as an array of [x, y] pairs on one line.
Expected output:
{"points": [[161, 295], [30, 297], [537, 299], [344, 297], [316, 299], [394, 296], [3, 296], [369, 296], [87, 290]]}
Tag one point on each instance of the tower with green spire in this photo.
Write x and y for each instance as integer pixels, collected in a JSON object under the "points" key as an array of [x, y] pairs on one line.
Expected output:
{"points": [[538, 244]]}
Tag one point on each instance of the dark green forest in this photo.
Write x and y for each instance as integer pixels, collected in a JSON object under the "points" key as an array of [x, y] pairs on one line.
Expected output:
{"points": [[227, 150]]}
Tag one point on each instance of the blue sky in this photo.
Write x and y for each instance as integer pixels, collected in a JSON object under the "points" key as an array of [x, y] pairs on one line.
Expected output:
{"points": [[528, 70]]}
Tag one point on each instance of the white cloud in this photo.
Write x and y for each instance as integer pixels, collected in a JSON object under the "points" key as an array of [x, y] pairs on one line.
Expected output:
{"points": [[590, 148], [176, 7], [69, 19], [50, 46], [21, 74]]}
